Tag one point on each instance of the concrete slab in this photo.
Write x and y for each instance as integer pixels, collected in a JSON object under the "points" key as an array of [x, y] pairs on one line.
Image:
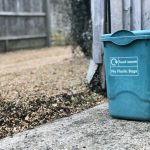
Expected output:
{"points": [[92, 129]]}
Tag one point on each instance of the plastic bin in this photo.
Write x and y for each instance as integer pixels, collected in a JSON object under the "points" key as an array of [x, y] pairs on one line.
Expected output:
{"points": [[127, 65]]}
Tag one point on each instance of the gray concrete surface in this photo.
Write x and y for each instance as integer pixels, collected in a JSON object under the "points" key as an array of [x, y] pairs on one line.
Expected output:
{"points": [[92, 129]]}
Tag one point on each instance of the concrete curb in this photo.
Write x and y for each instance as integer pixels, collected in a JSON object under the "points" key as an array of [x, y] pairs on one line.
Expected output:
{"points": [[92, 129]]}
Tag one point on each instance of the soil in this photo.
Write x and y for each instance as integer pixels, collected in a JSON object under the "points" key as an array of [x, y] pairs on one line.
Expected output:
{"points": [[39, 86]]}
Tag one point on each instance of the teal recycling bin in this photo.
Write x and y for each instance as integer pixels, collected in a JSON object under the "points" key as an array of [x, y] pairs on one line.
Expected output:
{"points": [[127, 65]]}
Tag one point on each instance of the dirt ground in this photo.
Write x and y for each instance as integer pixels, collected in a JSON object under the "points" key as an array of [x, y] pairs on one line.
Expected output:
{"points": [[14, 62], [37, 86], [29, 71]]}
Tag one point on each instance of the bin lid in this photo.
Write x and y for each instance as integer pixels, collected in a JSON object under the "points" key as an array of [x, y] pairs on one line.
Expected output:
{"points": [[124, 37]]}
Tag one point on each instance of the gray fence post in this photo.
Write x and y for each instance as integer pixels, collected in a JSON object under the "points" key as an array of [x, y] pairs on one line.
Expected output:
{"points": [[98, 23], [48, 24]]}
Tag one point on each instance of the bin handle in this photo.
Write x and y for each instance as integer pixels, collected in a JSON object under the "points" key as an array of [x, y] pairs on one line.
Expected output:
{"points": [[122, 33], [126, 37]]}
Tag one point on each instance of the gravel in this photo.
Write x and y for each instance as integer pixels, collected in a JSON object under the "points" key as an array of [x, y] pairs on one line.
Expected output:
{"points": [[92, 129]]}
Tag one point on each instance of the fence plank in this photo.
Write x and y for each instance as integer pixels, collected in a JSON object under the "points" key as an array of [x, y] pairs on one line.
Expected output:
{"points": [[136, 15], [127, 14], [146, 14], [1, 5], [6, 34], [98, 17], [116, 15], [35, 5], [97, 8], [2, 26], [48, 24], [10, 5]]}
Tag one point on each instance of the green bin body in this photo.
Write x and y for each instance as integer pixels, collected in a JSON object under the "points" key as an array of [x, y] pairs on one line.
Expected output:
{"points": [[127, 65]]}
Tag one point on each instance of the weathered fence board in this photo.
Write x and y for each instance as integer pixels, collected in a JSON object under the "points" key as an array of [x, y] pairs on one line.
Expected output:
{"points": [[98, 18], [48, 22], [116, 15], [97, 7], [127, 14], [136, 15], [145, 14], [1, 6], [2, 26], [24, 22]]}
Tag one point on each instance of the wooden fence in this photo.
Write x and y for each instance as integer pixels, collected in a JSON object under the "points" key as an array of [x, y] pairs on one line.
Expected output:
{"points": [[113, 15], [130, 14], [24, 24]]}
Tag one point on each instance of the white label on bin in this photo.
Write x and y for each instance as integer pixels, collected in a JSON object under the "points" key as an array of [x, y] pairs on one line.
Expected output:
{"points": [[124, 66]]}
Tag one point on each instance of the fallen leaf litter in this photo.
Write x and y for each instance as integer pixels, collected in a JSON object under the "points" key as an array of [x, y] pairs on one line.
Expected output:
{"points": [[33, 96]]}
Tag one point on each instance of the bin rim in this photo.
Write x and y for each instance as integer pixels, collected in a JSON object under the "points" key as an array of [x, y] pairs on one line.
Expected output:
{"points": [[125, 37]]}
